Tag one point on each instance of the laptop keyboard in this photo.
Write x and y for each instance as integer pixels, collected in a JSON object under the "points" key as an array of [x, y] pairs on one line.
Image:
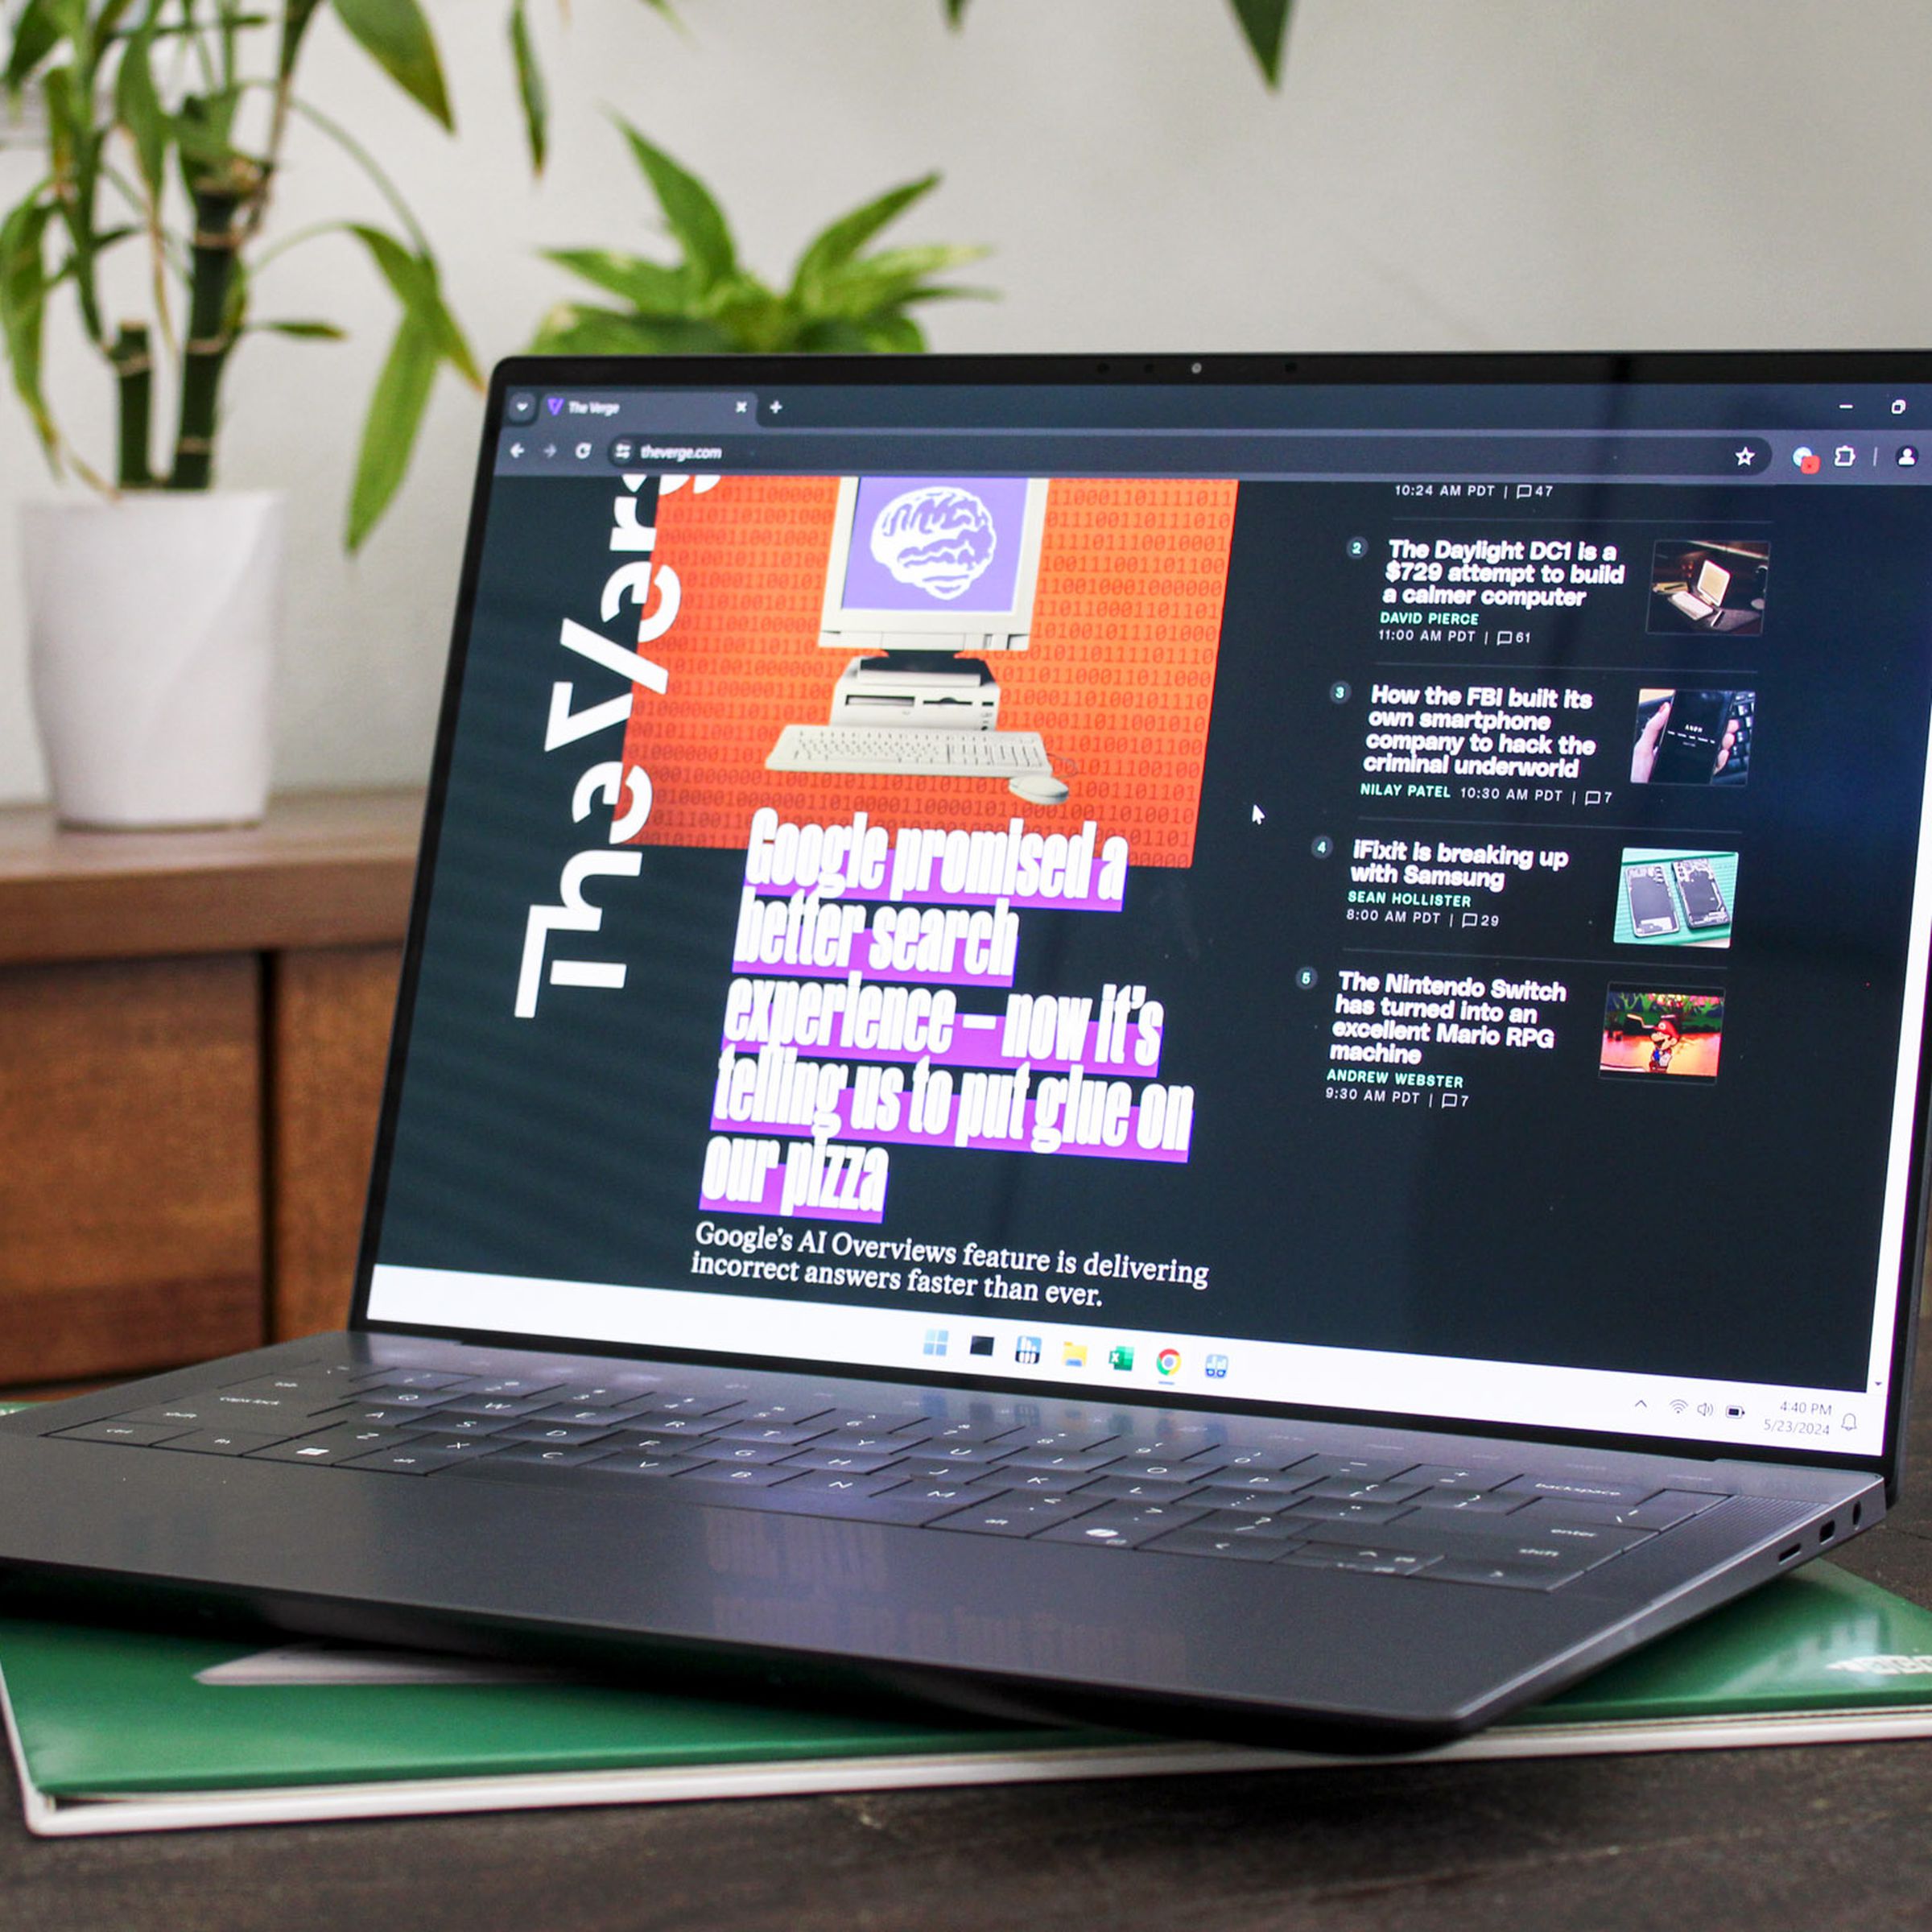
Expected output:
{"points": [[1176, 1484]]}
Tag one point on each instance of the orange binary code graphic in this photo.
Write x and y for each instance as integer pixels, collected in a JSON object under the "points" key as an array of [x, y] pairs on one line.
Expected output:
{"points": [[1118, 679]]}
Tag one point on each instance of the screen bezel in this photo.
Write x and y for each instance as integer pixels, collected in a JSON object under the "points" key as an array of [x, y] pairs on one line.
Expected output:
{"points": [[1741, 368]]}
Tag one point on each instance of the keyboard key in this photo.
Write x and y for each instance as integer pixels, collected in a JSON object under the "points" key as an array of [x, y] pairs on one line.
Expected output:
{"points": [[1579, 1488], [853, 1462], [1461, 1503], [791, 1433], [407, 1461], [1200, 1459], [1501, 1576], [1143, 1489], [829, 1482], [185, 1414], [1326, 1510], [1259, 1502], [553, 1455], [1048, 1481], [903, 1506], [497, 1408], [1013, 1515], [135, 1435], [1195, 1542], [336, 1445], [720, 1408], [1448, 1476], [713, 1475], [1259, 1529], [1351, 1556], [1360, 1469], [1070, 1441], [588, 1417], [1269, 1482], [742, 1455], [660, 1421], [953, 1496], [377, 1415], [982, 1429], [1275, 1460], [562, 1433], [630, 1464], [1668, 1508], [445, 1423], [419, 1378], [1064, 1461], [219, 1442], [1339, 1489], [1123, 1526]]}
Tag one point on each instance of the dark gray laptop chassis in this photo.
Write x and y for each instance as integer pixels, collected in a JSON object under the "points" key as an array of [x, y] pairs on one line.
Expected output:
{"points": [[1260, 1651]]}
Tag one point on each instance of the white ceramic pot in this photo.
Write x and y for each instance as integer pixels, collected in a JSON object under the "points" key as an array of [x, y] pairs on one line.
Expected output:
{"points": [[152, 628]]}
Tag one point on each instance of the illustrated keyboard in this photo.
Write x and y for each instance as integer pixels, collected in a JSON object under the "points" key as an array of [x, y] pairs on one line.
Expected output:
{"points": [[914, 750], [1180, 1483]]}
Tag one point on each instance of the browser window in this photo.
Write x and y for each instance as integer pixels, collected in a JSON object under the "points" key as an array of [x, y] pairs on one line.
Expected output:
{"points": [[1407, 899]]}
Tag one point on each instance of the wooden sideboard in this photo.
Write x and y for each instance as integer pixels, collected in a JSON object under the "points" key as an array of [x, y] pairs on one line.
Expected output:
{"points": [[193, 1032]]}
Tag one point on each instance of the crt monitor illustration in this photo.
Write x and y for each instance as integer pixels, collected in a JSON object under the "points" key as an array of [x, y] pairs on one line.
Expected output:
{"points": [[925, 576]]}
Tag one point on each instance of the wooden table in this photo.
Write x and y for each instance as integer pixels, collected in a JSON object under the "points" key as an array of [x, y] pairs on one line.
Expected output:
{"points": [[1827, 1836], [192, 1028]]}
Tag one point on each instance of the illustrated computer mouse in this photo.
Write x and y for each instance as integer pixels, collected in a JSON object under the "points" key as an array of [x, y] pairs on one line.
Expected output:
{"points": [[1039, 788]]}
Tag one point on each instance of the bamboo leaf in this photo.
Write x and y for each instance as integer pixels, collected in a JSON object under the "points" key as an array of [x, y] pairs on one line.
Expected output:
{"points": [[956, 12], [529, 86], [654, 289], [1264, 25], [138, 108], [295, 22], [396, 36], [837, 244], [36, 33], [691, 212], [389, 434], [305, 331], [24, 287], [413, 278]]}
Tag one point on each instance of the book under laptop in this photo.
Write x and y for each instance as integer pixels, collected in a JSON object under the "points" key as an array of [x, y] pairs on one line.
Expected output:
{"points": [[1243, 1238]]}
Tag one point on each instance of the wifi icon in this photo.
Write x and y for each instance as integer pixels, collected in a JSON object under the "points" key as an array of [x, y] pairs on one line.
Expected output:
{"points": [[1678, 1405]]}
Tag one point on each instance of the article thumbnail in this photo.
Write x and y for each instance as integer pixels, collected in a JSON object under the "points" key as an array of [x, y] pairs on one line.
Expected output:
{"points": [[1692, 737], [953, 651], [1647, 1033], [1709, 584], [1666, 896]]}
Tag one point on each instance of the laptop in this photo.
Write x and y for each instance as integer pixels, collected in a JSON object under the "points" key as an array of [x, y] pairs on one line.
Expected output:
{"points": [[1250, 1247]]}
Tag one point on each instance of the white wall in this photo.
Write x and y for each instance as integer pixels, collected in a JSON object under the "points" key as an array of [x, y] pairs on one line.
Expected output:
{"points": [[1435, 174]]}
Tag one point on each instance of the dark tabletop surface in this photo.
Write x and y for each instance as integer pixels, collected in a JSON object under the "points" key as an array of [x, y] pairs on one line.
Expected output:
{"points": [[1774, 1840]]}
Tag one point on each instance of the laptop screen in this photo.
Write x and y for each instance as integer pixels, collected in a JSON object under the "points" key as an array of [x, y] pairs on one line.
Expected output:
{"points": [[1221, 889]]}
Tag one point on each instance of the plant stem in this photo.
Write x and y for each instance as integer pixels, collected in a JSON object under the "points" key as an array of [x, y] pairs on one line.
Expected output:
{"points": [[211, 274], [135, 377]]}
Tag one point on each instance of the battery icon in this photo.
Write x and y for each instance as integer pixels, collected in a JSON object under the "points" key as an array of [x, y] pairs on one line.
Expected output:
{"points": [[1734, 1410]]}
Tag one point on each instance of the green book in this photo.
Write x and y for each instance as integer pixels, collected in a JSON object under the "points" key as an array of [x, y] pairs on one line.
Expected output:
{"points": [[119, 1731]]}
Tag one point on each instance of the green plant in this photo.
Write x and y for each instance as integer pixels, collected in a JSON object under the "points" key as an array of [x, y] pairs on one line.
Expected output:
{"points": [[165, 121], [1263, 23], [840, 298]]}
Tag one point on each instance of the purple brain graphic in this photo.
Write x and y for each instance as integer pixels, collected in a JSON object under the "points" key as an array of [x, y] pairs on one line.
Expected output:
{"points": [[939, 539]]}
